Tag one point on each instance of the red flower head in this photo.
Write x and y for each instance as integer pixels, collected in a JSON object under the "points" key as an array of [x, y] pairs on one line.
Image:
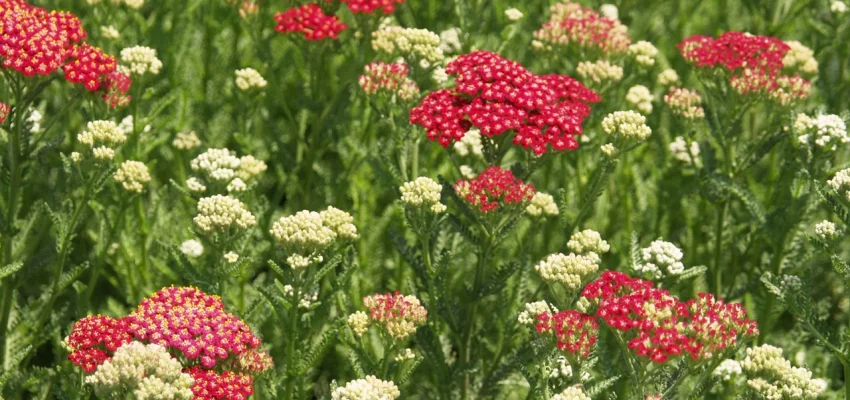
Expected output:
{"points": [[212, 385], [399, 314], [369, 6], [33, 40], [115, 86], [388, 78], [310, 21], [575, 332], [4, 111], [89, 67], [93, 340], [499, 95], [493, 188], [571, 23]]}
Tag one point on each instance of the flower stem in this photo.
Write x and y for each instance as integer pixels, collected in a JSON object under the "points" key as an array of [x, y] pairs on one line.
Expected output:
{"points": [[483, 256]]}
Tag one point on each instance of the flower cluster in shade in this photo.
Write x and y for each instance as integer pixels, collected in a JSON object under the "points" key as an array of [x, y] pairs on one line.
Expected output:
{"points": [[494, 188], [640, 99], [826, 230], [310, 21], [186, 140], [368, 388], [826, 131], [423, 193], [658, 326], [102, 137], [36, 41], [571, 24], [840, 183], [497, 95], [685, 103], [370, 6], [218, 170], [217, 350], [772, 377], [307, 233], [572, 269], [391, 79], [398, 314], [413, 44], [684, 153], [146, 371], [754, 64], [660, 259]]}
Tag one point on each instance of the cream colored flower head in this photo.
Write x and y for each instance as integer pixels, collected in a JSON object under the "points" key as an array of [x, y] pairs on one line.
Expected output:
{"points": [[149, 372], [220, 213], [422, 193], [588, 241], [132, 175], [186, 140], [249, 78], [542, 204], [102, 137], [570, 270], [368, 388], [640, 98], [626, 124], [140, 60]]}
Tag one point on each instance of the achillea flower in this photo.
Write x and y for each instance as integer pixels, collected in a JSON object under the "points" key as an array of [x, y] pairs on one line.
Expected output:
{"points": [[570, 270], [542, 204], [192, 248], [772, 376], [370, 6], [513, 14], [498, 95], [388, 79], [310, 21], [494, 188], [221, 213], [4, 111], [826, 230], [660, 259], [716, 325], [840, 183], [249, 78], [140, 60], [838, 7], [627, 125], [575, 333], [599, 72], [727, 370], [221, 167], [146, 371], [115, 86], [186, 140], [210, 384], [588, 241], [570, 23], [132, 175], [609, 150], [529, 314], [422, 193], [254, 361], [644, 53], [358, 322], [368, 388], [90, 66], [109, 32], [450, 40], [410, 43], [93, 340], [826, 131], [668, 77], [800, 58], [400, 315], [231, 257], [470, 144], [641, 98], [404, 355], [685, 103], [102, 137], [571, 393], [308, 233], [685, 154]]}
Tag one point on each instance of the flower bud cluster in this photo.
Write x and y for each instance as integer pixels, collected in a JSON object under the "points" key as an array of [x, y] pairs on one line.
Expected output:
{"points": [[470, 143], [688, 155], [186, 140], [103, 137], [644, 53], [368, 388], [146, 371], [572, 24], [727, 370], [221, 168], [841, 182], [826, 131], [588, 241], [529, 314], [139, 61], [542, 204], [770, 375], [826, 230], [640, 98], [668, 77], [221, 213], [132, 175], [391, 79], [494, 188], [399, 315], [800, 58], [513, 14], [685, 103], [570, 270], [660, 259], [450, 40], [627, 125], [599, 72], [249, 78], [422, 193], [308, 233], [410, 43]]}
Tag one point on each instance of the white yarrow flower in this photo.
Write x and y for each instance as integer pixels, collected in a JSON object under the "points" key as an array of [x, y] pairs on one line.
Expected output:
{"points": [[192, 248], [140, 60]]}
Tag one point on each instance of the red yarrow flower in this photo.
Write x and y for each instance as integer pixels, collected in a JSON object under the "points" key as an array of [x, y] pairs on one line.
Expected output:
{"points": [[575, 333], [387, 78], [212, 385], [310, 21], [494, 188], [89, 67], [497, 95], [571, 23], [115, 86], [94, 339], [399, 314], [369, 6]]}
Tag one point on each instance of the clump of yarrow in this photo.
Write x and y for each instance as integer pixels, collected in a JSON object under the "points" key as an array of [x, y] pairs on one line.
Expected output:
{"points": [[305, 235], [660, 259], [221, 171]]}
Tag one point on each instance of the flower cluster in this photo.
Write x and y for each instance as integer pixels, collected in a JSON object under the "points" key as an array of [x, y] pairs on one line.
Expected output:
{"points": [[531, 310], [826, 131], [392, 79], [368, 388], [369, 6], [423, 193], [668, 77], [570, 270], [494, 188], [841, 182], [102, 137], [588, 241], [513, 14], [450, 40], [139, 61], [576, 333], [90, 66], [772, 376], [307, 233], [826, 230], [94, 338], [497, 95], [213, 385], [249, 78], [4, 111], [640, 98], [186, 140], [644, 53], [132, 175], [192, 248], [470, 144], [728, 369], [542, 204], [310, 21], [800, 58], [571, 393], [660, 259], [570, 23], [400, 315], [754, 62], [221, 213], [221, 168], [685, 103], [680, 150], [147, 371], [410, 43], [599, 72], [626, 125], [116, 85]]}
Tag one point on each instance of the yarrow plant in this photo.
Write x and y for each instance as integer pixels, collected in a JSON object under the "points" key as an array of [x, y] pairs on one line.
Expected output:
{"points": [[494, 188], [310, 21]]}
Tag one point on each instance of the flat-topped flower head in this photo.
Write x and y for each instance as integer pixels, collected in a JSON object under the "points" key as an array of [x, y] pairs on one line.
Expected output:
{"points": [[626, 125], [308, 233], [410, 43], [115, 88], [660, 259], [192, 248], [685, 103], [588, 241], [497, 95], [310, 21], [221, 213], [529, 314], [250, 168], [470, 144], [140, 60], [570, 24], [400, 315], [368, 388], [513, 14], [423, 193], [571, 393], [771, 376], [132, 175], [211, 384], [370, 6], [643, 53], [390, 79], [840, 183], [800, 58], [826, 230], [728, 370], [216, 164], [575, 333], [599, 72], [146, 371], [640, 98], [90, 66], [826, 131], [494, 188], [186, 140], [542, 204], [668, 77], [94, 339], [249, 78], [103, 137], [682, 152]]}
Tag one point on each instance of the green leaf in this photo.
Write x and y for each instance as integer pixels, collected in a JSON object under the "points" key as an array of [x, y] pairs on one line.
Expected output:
{"points": [[10, 269]]}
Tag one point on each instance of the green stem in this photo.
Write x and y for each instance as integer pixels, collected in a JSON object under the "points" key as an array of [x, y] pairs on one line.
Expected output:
{"points": [[483, 256], [144, 232], [718, 247], [291, 376]]}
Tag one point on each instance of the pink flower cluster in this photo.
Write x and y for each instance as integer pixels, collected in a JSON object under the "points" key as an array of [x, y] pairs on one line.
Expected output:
{"points": [[499, 95], [187, 322], [34, 41], [571, 23], [575, 332], [754, 62], [399, 314], [310, 21], [369, 6], [660, 326], [388, 78], [116, 85], [493, 188]]}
